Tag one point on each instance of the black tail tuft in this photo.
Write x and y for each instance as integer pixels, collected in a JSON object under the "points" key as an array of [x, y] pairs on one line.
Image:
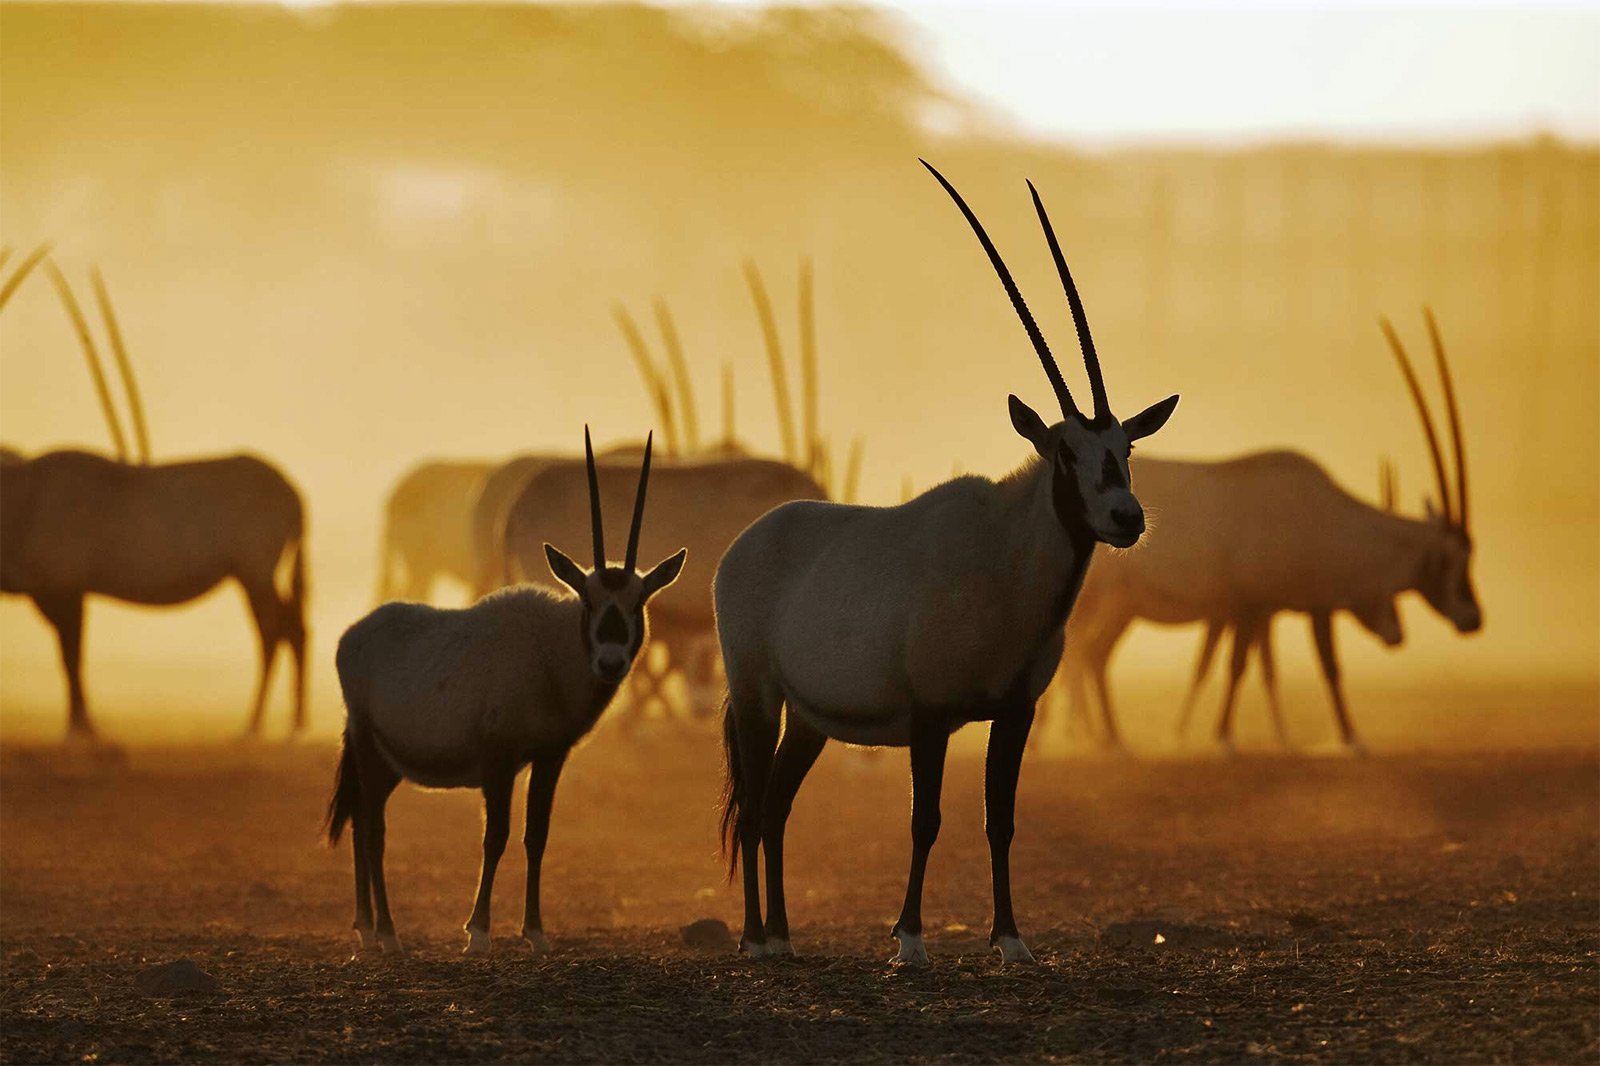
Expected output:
{"points": [[346, 794], [733, 787]]}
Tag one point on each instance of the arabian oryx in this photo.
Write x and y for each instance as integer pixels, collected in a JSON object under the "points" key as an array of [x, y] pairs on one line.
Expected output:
{"points": [[466, 697], [898, 625], [1380, 618], [1245, 538], [427, 528], [75, 523]]}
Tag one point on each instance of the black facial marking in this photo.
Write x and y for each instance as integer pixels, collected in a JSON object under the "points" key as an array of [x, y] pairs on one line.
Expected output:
{"points": [[614, 578], [1111, 476], [613, 627]]}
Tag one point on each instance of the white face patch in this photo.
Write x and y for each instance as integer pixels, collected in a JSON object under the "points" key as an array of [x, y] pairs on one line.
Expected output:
{"points": [[1098, 457], [615, 600]]}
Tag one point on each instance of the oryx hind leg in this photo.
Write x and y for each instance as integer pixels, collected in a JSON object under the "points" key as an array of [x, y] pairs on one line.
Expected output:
{"points": [[797, 753], [378, 781], [65, 615], [267, 611], [757, 738]]}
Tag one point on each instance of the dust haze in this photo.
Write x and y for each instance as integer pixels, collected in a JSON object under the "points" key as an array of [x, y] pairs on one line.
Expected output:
{"points": [[352, 238]]}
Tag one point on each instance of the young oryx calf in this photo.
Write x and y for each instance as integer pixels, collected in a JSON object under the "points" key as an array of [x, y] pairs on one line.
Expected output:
{"points": [[466, 698], [899, 625]]}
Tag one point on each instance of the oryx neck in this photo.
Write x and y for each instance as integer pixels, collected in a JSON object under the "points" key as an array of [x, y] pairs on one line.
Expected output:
{"points": [[1048, 543]]}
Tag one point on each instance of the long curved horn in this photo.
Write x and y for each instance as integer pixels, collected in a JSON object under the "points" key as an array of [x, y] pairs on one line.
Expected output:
{"points": [[1422, 411], [130, 385], [808, 363], [1048, 361], [632, 559], [594, 504], [780, 375], [1455, 418], [96, 371], [654, 385], [1091, 359], [852, 472], [1386, 498], [18, 276], [680, 375]]}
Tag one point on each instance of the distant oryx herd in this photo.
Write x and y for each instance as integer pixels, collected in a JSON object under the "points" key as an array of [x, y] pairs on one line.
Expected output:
{"points": [[877, 626]]}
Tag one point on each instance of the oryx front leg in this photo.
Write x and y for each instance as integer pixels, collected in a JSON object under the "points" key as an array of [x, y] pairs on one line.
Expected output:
{"points": [[541, 798], [1008, 738], [930, 737], [497, 785]]}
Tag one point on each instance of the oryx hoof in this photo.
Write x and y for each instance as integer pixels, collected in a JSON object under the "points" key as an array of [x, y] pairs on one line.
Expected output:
{"points": [[778, 945], [390, 944], [755, 949], [478, 942], [912, 952], [537, 942], [368, 938], [1012, 949]]}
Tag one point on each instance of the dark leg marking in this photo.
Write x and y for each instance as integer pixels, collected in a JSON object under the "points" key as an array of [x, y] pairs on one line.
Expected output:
{"points": [[797, 753], [541, 797]]}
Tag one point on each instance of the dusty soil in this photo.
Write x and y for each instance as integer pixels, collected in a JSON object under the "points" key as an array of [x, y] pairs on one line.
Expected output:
{"points": [[1400, 908]]}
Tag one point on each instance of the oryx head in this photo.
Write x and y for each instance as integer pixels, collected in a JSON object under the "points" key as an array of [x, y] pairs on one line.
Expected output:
{"points": [[1444, 575], [1087, 454], [1381, 619], [613, 597]]}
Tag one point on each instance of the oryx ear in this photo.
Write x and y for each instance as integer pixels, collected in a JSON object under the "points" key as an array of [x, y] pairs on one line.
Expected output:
{"points": [[1028, 424], [566, 571], [1150, 419], [665, 573]]}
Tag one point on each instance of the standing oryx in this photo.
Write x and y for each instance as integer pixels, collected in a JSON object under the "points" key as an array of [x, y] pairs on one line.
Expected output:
{"points": [[1244, 538], [466, 698], [898, 625], [73, 523]]}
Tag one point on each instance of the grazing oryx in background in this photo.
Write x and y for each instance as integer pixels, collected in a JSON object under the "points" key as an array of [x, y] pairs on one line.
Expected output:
{"points": [[1379, 618], [427, 530], [1245, 538], [74, 523], [465, 698], [898, 625]]}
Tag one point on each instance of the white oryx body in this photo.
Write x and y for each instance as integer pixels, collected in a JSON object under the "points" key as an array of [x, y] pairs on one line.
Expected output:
{"points": [[944, 572], [1246, 538], [427, 530], [897, 625], [436, 686], [465, 698]]}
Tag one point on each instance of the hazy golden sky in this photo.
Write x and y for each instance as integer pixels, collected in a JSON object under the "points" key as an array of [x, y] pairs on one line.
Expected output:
{"points": [[1189, 70]]}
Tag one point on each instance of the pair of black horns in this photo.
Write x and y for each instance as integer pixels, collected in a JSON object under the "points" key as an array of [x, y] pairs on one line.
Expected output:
{"points": [[1454, 505], [632, 559], [1091, 359]]}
